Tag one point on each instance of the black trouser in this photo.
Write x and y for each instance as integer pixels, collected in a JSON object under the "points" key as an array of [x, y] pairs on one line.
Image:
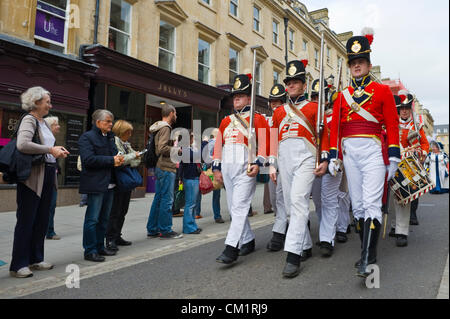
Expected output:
{"points": [[119, 209], [414, 205], [32, 222]]}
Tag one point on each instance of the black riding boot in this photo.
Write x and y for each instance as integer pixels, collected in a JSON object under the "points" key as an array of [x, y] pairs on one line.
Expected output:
{"points": [[370, 238], [413, 217]]}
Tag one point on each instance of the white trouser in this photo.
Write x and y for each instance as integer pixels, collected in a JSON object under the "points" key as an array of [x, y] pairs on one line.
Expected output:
{"points": [[315, 193], [343, 219], [402, 215], [240, 190], [296, 166], [277, 200], [365, 169], [325, 196]]}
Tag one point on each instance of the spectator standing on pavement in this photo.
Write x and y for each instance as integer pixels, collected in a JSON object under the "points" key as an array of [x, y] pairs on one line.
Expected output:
{"points": [[437, 165], [35, 194], [99, 156], [189, 175], [53, 123], [216, 193], [159, 222], [123, 131]]}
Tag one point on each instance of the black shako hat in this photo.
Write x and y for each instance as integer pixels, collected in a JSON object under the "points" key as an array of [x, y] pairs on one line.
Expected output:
{"points": [[406, 99], [316, 87], [295, 71], [242, 84], [278, 92], [359, 46], [398, 101]]}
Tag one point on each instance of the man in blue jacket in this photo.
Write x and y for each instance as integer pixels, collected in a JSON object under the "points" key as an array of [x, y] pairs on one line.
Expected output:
{"points": [[99, 156]]}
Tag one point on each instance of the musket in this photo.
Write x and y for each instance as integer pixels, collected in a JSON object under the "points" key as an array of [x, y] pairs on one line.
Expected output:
{"points": [[413, 114], [339, 114], [252, 112], [320, 107]]}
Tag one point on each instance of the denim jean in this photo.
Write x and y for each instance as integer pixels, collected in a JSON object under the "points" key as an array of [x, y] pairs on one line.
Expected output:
{"points": [[96, 221], [198, 204], [51, 217], [160, 217], [216, 204], [191, 193]]}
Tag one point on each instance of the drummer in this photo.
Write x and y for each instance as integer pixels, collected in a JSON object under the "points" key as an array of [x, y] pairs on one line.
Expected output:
{"points": [[412, 140]]}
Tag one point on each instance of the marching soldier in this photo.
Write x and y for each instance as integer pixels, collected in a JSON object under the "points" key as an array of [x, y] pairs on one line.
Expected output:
{"points": [[230, 161], [297, 162], [277, 98], [363, 108], [326, 188], [412, 139]]}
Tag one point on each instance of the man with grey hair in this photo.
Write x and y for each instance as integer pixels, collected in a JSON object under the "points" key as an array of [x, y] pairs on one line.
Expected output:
{"points": [[99, 156], [159, 222]]}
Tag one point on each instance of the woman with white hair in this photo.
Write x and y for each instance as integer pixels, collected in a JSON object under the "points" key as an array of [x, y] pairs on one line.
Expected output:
{"points": [[53, 123], [34, 196]]}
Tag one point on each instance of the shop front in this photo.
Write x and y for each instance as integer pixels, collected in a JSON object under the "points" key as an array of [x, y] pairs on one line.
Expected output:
{"points": [[135, 91], [24, 65]]}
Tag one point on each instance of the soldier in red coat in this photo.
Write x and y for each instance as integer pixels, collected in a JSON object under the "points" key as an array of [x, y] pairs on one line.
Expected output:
{"points": [[412, 140], [364, 107], [230, 163], [296, 161]]}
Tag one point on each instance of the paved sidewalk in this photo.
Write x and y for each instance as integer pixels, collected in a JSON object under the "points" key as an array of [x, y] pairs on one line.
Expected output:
{"points": [[69, 250]]}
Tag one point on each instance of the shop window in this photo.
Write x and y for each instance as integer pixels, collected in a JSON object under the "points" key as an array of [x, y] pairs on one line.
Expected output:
{"points": [[166, 46], [51, 25], [233, 64], [204, 61], [119, 36]]}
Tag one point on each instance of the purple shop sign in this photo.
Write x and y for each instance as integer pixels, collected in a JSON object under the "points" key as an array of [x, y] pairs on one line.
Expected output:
{"points": [[49, 27]]}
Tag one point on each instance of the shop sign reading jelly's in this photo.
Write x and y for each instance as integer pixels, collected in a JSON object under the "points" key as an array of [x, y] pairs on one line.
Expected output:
{"points": [[172, 90]]}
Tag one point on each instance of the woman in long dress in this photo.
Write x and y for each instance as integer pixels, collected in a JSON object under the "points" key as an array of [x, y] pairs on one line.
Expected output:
{"points": [[436, 164]]}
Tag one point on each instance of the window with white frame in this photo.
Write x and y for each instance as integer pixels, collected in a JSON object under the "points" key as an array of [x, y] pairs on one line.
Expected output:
{"points": [[119, 35], [305, 45], [51, 26], [258, 77], [275, 31], [204, 61], [316, 58], [166, 46], [276, 77], [233, 64], [291, 40], [257, 19], [234, 5]]}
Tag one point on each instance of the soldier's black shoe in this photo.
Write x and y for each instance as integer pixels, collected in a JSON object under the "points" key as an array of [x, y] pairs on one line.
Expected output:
{"points": [[367, 232], [392, 232], [307, 253], [371, 261], [326, 249], [402, 240], [292, 267], [122, 242], [247, 248], [349, 229], [276, 243], [413, 222], [341, 237], [229, 255]]}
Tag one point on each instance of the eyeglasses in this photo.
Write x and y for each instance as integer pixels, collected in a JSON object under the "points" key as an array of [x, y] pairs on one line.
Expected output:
{"points": [[107, 121]]}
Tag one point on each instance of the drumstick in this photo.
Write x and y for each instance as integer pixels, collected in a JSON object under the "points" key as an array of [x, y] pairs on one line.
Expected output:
{"points": [[384, 228]]}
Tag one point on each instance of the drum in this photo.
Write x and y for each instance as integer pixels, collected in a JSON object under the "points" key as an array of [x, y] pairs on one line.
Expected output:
{"points": [[410, 180]]}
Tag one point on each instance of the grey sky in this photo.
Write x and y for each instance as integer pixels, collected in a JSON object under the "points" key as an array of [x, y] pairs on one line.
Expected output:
{"points": [[411, 43]]}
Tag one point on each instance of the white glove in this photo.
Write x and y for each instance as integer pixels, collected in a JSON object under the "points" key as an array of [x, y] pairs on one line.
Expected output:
{"points": [[333, 167], [392, 168]]}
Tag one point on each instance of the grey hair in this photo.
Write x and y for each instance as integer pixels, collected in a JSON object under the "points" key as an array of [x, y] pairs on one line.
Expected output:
{"points": [[31, 96], [50, 120], [100, 115], [167, 109]]}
